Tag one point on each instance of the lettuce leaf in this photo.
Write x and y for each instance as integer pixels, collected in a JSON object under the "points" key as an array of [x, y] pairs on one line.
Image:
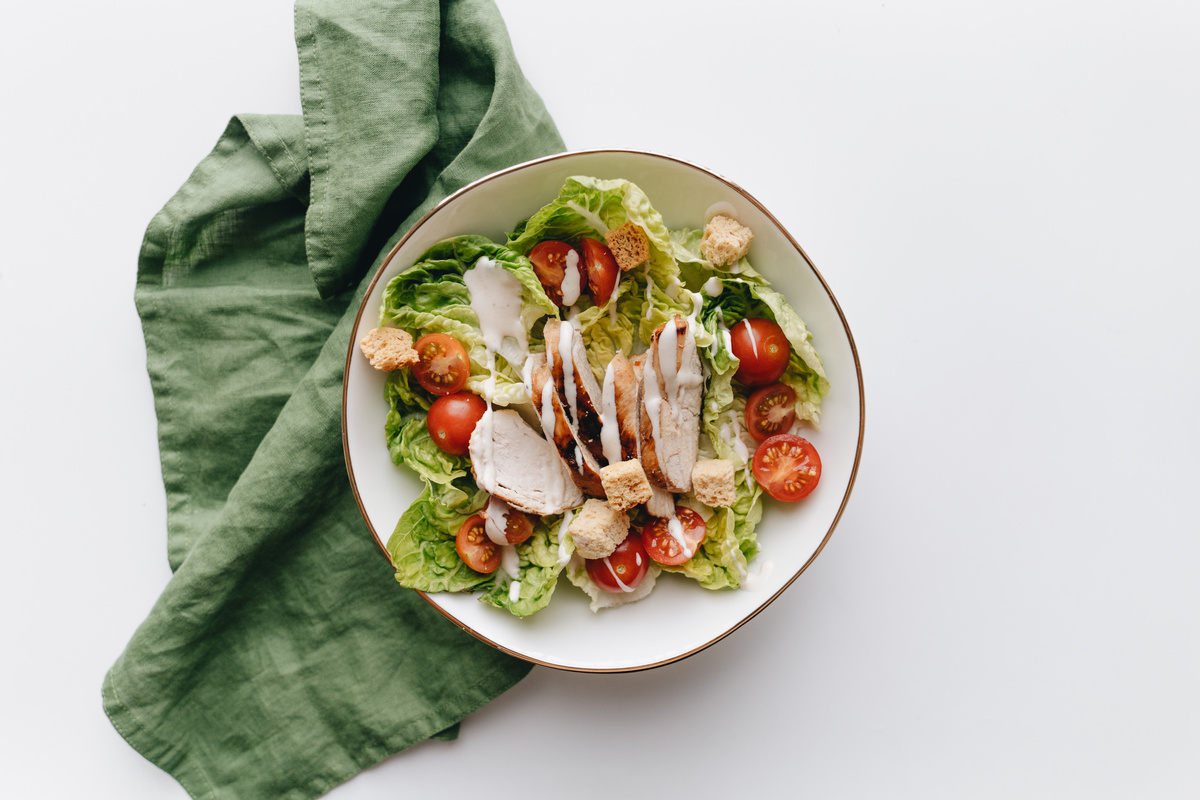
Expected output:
{"points": [[589, 207], [605, 333], [422, 545], [432, 297], [739, 299], [729, 543], [540, 566]]}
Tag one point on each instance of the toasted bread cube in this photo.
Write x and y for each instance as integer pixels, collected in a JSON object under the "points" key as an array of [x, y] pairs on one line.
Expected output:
{"points": [[597, 529], [625, 484], [389, 349], [725, 240], [713, 482], [629, 246]]}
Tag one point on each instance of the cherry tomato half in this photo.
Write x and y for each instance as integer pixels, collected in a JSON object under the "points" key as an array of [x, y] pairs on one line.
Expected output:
{"points": [[770, 410], [787, 466], [623, 570], [475, 548], [444, 366], [762, 349], [452, 419], [664, 546], [602, 270], [517, 526], [560, 269]]}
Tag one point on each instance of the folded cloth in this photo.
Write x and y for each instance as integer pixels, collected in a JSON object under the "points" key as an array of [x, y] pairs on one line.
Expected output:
{"points": [[282, 658]]}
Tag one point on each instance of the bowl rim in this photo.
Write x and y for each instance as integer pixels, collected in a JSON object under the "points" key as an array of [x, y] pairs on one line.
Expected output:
{"points": [[450, 198]]}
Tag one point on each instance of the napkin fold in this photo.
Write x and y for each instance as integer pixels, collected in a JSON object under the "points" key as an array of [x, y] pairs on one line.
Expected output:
{"points": [[282, 658]]}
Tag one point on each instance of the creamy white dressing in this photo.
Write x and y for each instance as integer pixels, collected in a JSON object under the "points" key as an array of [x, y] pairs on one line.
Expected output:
{"points": [[496, 301], [612, 300], [566, 331], [510, 562], [546, 411], [495, 520], [676, 376], [732, 551], [651, 398], [668, 367], [610, 433], [514, 591], [697, 306], [750, 336], [675, 530], [570, 283], [713, 286], [563, 555], [527, 377], [756, 579], [620, 584]]}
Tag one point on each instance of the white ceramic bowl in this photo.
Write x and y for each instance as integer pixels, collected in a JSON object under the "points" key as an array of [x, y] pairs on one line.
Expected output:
{"points": [[679, 618]]}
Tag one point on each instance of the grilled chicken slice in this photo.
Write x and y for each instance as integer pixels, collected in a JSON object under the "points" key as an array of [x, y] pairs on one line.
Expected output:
{"points": [[672, 392], [661, 502], [558, 428], [575, 383], [622, 398], [511, 461]]}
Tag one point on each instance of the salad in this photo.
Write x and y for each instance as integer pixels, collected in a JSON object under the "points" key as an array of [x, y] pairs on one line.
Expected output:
{"points": [[596, 396]]}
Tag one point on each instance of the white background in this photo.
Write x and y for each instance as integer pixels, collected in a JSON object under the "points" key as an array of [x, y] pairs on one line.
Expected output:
{"points": [[1005, 201]]}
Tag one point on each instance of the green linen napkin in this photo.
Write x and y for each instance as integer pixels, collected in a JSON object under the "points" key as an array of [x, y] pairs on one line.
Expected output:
{"points": [[282, 657]]}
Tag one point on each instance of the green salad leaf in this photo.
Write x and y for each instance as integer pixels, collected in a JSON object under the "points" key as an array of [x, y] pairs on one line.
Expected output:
{"points": [[729, 543], [542, 558], [432, 297], [422, 545]]}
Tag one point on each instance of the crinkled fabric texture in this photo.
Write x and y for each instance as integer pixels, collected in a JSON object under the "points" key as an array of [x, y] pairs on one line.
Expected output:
{"points": [[282, 658]]}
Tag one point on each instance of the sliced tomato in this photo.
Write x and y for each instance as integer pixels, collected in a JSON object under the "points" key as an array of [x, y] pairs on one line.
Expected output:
{"points": [[623, 570], [517, 527], [475, 548], [771, 410], [787, 466], [452, 419], [443, 367], [673, 541], [560, 269], [762, 350], [601, 269]]}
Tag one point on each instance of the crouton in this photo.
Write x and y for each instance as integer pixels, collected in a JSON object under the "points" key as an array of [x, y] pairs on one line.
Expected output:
{"points": [[625, 484], [725, 240], [713, 482], [629, 246], [389, 349], [597, 529]]}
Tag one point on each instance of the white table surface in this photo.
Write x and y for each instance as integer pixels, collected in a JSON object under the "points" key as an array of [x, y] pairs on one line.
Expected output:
{"points": [[1005, 202]]}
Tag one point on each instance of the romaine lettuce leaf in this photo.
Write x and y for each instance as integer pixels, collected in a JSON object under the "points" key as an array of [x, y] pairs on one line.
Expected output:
{"points": [[588, 207], [431, 297], [605, 333], [729, 542], [541, 563], [740, 299], [422, 545]]}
